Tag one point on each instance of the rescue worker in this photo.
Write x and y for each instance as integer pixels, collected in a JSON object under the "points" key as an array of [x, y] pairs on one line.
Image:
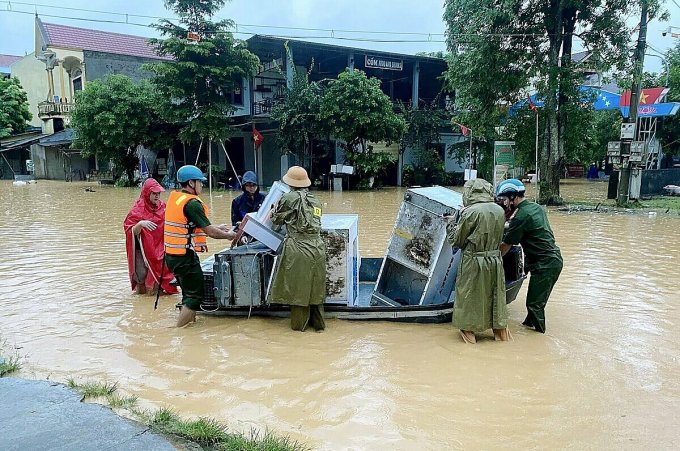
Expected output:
{"points": [[300, 281], [186, 228], [480, 283], [542, 258], [248, 202]]}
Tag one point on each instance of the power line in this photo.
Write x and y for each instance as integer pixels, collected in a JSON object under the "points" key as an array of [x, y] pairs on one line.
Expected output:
{"points": [[331, 31]]}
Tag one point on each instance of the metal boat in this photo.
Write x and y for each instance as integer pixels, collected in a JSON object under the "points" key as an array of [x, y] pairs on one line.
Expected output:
{"points": [[250, 272], [415, 280]]}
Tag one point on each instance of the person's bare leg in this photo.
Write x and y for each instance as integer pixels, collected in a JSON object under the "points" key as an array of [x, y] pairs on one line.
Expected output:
{"points": [[468, 336], [502, 334], [186, 316]]}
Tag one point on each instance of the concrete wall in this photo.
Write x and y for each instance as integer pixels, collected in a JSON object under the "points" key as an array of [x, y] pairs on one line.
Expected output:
{"points": [[52, 164], [98, 65], [653, 181], [32, 75]]}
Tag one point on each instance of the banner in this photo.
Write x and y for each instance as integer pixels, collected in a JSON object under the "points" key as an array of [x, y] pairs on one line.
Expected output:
{"points": [[503, 160]]}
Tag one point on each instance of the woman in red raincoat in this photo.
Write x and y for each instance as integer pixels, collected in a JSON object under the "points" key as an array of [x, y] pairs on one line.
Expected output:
{"points": [[144, 241]]}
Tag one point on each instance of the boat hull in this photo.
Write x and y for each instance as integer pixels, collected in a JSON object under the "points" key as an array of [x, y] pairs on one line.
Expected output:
{"points": [[370, 267]]}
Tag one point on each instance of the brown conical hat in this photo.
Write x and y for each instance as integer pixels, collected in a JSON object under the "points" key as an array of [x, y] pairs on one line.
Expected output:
{"points": [[297, 177]]}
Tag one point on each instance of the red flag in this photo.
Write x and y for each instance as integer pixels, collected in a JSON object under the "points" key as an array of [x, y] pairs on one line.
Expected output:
{"points": [[532, 105], [463, 129], [648, 96], [257, 137]]}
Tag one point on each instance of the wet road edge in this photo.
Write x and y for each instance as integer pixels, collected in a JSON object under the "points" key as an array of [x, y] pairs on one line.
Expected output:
{"points": [[47, 415]]}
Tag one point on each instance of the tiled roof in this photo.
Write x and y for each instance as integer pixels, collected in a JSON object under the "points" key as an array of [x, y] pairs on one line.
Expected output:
{"points": [[6, 60], [98, 41]]}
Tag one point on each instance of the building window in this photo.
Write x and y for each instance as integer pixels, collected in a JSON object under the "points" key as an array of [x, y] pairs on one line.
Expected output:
{"points": [[77, 80], [237, 97]]}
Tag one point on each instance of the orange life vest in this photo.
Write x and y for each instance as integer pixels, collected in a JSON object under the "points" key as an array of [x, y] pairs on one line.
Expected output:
{"points": [[179, 233]]}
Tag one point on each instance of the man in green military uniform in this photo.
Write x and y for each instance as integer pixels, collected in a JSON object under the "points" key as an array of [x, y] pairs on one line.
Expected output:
{"points": [[480, 283], [185, 230], [300, 280], [542, 258]]}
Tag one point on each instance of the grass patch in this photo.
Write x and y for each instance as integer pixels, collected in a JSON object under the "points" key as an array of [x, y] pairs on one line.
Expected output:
{"points": [[92, 389], [211, 434], [666, 204], [116, 401], [662, 203], [208, 433], [10, 365]]}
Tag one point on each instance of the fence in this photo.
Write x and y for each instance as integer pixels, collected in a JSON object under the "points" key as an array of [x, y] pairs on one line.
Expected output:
{"points": [[654, 180]]}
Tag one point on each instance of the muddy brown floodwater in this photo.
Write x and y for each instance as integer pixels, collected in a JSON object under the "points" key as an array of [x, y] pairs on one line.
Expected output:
{"points": [[605, 376]]}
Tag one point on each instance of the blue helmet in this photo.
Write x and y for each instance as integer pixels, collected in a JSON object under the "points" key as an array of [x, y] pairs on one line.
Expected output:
{"points": [[190, 172], [249, 177], [510, 186]]}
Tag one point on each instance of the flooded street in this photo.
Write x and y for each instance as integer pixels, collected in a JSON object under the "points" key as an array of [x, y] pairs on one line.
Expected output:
{"points": [[605, 376]]}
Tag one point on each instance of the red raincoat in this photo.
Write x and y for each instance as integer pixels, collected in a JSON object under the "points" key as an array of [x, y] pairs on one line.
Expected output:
{"points": [[149, 243]]}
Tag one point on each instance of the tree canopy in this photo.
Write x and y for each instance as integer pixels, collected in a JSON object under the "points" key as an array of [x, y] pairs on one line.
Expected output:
{"points": [[204, 74], [501, 48], [357, 111], [113, 116], [299, 116], [14, 112]]}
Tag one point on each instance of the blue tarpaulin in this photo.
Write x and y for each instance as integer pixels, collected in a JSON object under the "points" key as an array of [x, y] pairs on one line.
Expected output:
{"points": [[607, 100]]}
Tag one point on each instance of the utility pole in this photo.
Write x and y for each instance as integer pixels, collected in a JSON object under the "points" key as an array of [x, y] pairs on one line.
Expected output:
{"points": [[638, 60]]}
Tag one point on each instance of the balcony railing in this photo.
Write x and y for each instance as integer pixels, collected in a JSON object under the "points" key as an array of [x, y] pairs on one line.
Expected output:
{"points": [[54, 109]]}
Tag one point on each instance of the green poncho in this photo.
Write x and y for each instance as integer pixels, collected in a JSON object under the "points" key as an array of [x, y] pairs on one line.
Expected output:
{"points": [[301, 276], [480, 285]]}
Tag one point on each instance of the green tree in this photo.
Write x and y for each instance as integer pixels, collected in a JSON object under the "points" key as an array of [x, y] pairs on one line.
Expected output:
{"points": [[113, 116], [203, 75], [14, 112], [669, 131], [422, 130], [298, 116], [358, 112], [499, 48]]}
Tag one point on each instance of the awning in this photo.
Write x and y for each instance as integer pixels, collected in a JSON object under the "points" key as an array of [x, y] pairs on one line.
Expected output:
{"points": [[65, 136], [20, 143]]}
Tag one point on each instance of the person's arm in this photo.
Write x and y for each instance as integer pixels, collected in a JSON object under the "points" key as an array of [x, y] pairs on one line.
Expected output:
{"points": [[514, 234], [235, 216], [194, 212], [458, 232], [282, 212], [220, 232], [144, 223]]}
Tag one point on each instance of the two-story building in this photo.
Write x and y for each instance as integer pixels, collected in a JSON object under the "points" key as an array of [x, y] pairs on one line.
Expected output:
{"points": [[404, 78], [66, 58]]}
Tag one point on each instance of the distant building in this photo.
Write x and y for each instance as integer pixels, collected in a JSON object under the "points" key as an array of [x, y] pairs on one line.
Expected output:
{"points": [[67, 58], [5, 62], [410, 79], [64, 60]]}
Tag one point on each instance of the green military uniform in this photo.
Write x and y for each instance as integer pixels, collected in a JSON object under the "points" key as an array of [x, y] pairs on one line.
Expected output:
{"points": [[542, 258], [480, 282], [301, 276], [187, 267]]}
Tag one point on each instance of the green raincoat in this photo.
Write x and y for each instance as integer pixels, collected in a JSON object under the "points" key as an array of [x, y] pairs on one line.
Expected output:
{"points": [[301, 276], [480, 283]]}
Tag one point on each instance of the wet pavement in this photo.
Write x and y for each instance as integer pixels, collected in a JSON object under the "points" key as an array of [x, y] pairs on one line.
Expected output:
{"points": [[605, 376], [41, 415]]}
